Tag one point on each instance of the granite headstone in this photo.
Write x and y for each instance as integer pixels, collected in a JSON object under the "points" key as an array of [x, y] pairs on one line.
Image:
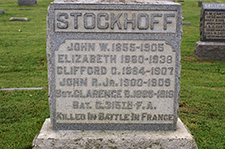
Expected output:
{"points": [[212, 32], [114, 65], [2, 11], [199, 3]]}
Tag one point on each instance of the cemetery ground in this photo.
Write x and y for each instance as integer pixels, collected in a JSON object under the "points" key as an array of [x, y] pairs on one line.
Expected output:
{"points": [[23, 64]]}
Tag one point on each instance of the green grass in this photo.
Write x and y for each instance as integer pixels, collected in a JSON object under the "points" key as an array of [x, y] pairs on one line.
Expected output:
{"points": [[22, 114], [23, 58], [202, 94], [23, 64]]}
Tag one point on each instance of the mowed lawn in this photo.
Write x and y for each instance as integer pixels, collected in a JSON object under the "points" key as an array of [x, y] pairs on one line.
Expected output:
{"points": [[23, 64]]}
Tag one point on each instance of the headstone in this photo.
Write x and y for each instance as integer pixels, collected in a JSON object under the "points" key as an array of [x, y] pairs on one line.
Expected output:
{"points": [[2, 11], [27, 2], [113, 65], [199, 3], [117, 68], [212, 32], [212, 26]]}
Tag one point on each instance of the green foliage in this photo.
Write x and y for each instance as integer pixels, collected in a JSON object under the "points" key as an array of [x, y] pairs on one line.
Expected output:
{"points": [[23, 64]]}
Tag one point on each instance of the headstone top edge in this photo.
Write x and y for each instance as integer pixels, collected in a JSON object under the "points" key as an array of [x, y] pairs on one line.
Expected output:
{"points": [[213, 6], [114, 2]]}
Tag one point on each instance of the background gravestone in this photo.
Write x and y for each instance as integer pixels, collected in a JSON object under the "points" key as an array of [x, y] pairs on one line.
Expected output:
{"points": [[199, 3], [212, 32], [2, 11], [27, 2], [114, 65]]}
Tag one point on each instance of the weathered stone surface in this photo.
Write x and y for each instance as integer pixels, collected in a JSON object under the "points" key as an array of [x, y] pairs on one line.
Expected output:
{"points": [[212, 32], [210, 50], [179, 139], [212, 23], [27, 2], [114, 67], [114, 71]]}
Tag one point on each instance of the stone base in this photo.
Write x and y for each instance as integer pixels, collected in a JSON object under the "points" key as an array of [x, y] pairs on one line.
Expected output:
{"points": [[210, 50], [180, 139], [27, 2]]}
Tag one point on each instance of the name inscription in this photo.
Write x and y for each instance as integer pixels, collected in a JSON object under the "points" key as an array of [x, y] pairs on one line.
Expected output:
{"points": [[114, 81], [116, 21]]}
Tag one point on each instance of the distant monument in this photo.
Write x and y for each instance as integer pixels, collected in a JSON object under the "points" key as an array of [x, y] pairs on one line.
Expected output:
{"points": [[212, 32], [2, 11], [114, 65], [27, 2]]}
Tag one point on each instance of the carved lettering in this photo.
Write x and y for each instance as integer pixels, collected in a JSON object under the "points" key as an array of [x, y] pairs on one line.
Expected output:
{"points": [[104, 21], [98, 79]]}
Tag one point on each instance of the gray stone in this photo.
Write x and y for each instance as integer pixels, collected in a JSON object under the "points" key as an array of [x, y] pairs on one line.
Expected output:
{"points": [[109, 68], [199, 3], [210, 50], [212, 33], [18, 19], [2, 11], [114, 75], [179, 139], [27, 2], [212, 24]]}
